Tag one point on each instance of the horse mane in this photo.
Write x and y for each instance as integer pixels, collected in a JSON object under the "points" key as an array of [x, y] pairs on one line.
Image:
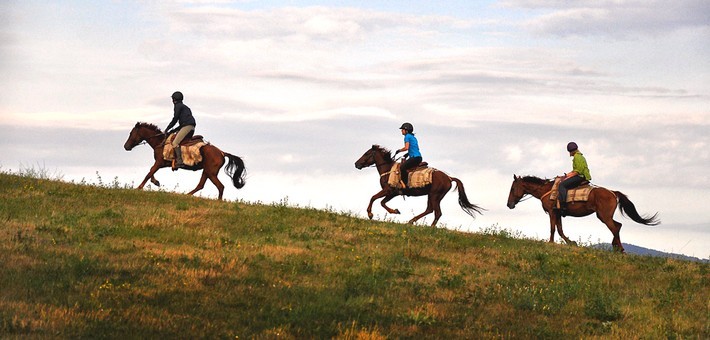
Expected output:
{"points": [[150, 126], [535, 180], [384, 151]]}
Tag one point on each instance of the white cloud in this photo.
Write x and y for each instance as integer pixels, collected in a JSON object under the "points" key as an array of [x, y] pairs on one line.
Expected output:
{"points": [[615, 18]]}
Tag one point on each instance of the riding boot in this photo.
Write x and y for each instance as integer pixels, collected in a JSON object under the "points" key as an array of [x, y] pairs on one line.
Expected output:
{"points": [[563, 209], [178, 158]]}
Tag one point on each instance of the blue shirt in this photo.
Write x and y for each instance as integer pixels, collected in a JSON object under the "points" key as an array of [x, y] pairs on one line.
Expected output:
{"points": [[413, 145]]}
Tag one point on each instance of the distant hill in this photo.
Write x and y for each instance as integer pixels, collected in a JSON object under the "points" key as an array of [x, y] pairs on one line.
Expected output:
{"points": [[100, 261], [638, 250]]}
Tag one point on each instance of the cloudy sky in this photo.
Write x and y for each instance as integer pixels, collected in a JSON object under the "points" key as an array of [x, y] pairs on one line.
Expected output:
{"points": [[300, 89]]}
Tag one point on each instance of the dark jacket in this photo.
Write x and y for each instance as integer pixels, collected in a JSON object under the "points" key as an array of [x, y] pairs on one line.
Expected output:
{"points": [[183, 115]]}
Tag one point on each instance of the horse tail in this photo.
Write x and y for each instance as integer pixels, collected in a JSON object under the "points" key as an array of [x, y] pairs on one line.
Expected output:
{"points": [[235, 170], [467, 206], [629, 209]]}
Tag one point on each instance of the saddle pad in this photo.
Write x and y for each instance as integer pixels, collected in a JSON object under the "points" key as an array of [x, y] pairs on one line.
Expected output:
{"points": [[578, 194], [418, 178], [394, 179], [190, 154]]}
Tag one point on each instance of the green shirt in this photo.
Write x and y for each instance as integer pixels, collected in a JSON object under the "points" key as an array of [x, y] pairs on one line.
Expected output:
{"points": [[579, 165]]}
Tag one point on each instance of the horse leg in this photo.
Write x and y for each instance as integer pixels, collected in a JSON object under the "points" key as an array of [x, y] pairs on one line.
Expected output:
{"points": [[384, 204], [437, 210], [618, 236], [376, 196], [212, 175], [435, 200], [201, 184], [217, 183], [553, 222], [150, 174], [562, 233], [429, 210], [615, 228]]}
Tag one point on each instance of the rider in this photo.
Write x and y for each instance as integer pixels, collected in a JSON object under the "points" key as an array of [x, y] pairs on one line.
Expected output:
{"points": [[579, 174], [186, 128], [412, 146]]}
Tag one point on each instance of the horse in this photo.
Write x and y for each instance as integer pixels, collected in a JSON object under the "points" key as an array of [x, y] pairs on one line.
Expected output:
{"points": [[601, 200], [212, 159], [383, 160]]}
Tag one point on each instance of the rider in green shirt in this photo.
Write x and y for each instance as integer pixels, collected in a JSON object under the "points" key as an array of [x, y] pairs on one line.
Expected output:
{"points": [[579, 174]]}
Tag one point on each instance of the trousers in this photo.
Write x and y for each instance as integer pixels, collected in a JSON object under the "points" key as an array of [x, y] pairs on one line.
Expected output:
{"points": [[408, 164], [182, 133], [567, 184]]}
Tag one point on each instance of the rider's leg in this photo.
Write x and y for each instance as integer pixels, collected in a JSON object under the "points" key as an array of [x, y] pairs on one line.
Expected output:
{"points": [[565, 185], [404, 169], [184, 131]]}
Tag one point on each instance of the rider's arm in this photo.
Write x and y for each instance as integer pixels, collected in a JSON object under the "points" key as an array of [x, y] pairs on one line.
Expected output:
{"points": [[172, 122], [405, 148]]}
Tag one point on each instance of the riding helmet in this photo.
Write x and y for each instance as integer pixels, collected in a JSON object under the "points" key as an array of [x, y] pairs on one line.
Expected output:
{"points": [[571, 146], [177, 96], [407, 126]]}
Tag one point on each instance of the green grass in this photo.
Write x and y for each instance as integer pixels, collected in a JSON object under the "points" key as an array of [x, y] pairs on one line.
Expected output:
{"points": [[101, 261]]}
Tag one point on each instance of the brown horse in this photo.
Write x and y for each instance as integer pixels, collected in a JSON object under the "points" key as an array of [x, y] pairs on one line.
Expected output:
{"points": [[382, 159], [602, 201], [212, 159]]}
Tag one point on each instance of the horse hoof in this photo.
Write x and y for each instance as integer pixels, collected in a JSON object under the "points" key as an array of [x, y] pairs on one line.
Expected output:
{"points": [[369, 215], [396, 211]]}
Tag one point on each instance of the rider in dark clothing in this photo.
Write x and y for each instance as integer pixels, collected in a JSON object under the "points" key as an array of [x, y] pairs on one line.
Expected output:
{"points": [[186, 128]]}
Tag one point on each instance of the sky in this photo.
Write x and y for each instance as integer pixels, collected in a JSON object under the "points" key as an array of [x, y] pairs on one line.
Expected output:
{"points": [[301, 89]]}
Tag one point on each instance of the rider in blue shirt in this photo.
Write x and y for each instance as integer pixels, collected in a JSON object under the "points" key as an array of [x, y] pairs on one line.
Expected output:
{"points": [[411, 145]]}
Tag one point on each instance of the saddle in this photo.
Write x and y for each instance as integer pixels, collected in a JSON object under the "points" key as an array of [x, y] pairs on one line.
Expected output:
{"points": [[577, 194], [419, 176], [191, 140]]}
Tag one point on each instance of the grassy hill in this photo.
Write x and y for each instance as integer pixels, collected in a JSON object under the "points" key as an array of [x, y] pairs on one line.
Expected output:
{"points": [[94, 262]]}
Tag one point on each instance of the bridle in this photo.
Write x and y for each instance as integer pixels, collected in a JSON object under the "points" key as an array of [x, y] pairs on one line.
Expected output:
{"points": [[374, 162], [145, 140], [526, 196]]}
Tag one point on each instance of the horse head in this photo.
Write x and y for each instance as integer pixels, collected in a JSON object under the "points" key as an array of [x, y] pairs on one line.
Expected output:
{"points": [[133, 138], [139, 133], [376, 154], [517, 191], [528, 185]]}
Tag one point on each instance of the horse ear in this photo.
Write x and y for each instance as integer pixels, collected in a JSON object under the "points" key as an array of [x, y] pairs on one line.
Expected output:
{"points": [[515, 177]]}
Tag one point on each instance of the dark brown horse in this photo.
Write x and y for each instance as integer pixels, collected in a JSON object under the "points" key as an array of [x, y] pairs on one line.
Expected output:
{"points": [[602, 201], [382, 159], [212, 159]]}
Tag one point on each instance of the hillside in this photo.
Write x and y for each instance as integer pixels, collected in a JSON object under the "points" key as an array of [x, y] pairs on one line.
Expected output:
{"points": [[80, 261], [638, 250]]}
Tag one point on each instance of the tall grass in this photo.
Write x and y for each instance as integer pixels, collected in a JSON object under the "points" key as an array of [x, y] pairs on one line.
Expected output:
{"points": [[87, 261]]}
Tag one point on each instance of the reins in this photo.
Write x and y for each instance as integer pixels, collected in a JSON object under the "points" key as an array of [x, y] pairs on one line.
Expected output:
{"points": [[525, 198], [393, 162], [145, 140]]}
